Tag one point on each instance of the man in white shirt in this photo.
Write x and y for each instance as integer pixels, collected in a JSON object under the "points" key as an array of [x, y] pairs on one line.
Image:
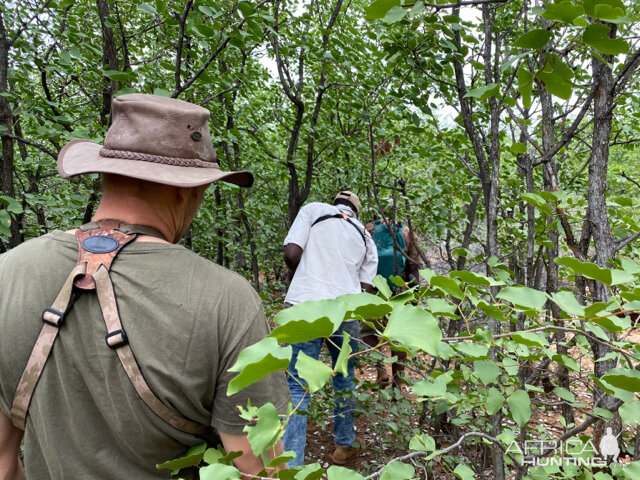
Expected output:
{"points": [[329, 253]]}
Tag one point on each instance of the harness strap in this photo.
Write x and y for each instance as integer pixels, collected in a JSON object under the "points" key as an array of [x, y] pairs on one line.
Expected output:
{"points": [[98, 244], [117, 339], [53, 319], [343, 216]]}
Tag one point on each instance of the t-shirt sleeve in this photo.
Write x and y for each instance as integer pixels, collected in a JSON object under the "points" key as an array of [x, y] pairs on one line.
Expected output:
{"points": [[369, 267], [299, 231], [225, 415]]}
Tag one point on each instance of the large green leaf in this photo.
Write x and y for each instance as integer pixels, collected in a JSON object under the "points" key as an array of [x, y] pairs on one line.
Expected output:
{"points": [[530, 339], [447, 285], [495, 400], [463, 472], [486, 371], [379, 9], [258, 361], [267, 431], [320, 318], [568, 303], [596, 35], [524, 297], [586, 269], [340, 473], [630, 413], [591, 7], [520, 407], [536, 38], [422, 443], [564, 11], [190, 459], [218, 471], [414, 327], [342, 361], [623, 378], [525, 84], [394, 15], [483, 92], [397, 471], [313, 371]]}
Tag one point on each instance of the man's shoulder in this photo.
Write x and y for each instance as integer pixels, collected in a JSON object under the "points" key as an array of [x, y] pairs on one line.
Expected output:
{"points": [[319, 207]]}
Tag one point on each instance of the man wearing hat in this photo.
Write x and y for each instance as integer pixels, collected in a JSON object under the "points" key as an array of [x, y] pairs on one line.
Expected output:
{"points": [[123, 363], [329, 253]]}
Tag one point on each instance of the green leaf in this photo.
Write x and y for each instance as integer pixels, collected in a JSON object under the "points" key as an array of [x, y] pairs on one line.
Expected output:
{"points": [[520, 407], [518, 148], [313, 371], [586, 269], [536, 39], [414, 327], [312, 471], [565, 394], [258, 361], [495, 400], [379, 9], [383, 287], [590, 6], [433, 387], [340, 473], [568, 303], [525, 84], [596, 35], [484, 92], [342, 361], [474, 278], [145, 7], [190, 459], [567, 361], [486, 371], [394, 15], [472, 350], [447, 285], [320, 318], [267, 430], [422, 443], [555, 84], [463, 472], [218, 471], [630, 413], [563, 11], [623, 378], [530, 339], [524, 297], [438, 306], [119, 76], [397, 471]]}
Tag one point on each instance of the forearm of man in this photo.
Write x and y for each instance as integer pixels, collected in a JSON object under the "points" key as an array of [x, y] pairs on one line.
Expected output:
{"points": [[10, 438], [292, 255], [248, 463], [367, 287]]}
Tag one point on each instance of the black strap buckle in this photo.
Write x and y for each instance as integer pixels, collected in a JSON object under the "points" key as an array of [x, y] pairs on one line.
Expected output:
{"points": [[53, 317], [117, 339]]}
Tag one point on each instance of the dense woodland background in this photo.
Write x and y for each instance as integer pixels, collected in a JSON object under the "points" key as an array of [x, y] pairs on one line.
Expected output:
{"points": [[503, 132]]}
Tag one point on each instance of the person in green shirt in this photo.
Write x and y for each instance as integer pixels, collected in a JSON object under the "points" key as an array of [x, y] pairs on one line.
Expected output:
{"points": [[79, 410]]}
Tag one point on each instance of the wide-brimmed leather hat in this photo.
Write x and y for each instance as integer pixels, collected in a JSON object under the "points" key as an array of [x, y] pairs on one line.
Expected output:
{"points": [[158, 139]]}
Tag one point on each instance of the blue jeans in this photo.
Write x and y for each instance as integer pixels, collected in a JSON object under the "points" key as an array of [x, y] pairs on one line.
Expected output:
{"points": [[295, 435]]}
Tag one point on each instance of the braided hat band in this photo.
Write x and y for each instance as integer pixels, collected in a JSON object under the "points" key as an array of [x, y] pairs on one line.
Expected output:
{"points": [[147, 157]]}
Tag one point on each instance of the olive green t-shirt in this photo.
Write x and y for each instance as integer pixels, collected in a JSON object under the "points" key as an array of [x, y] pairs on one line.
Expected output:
{"points": [[187, 320]]}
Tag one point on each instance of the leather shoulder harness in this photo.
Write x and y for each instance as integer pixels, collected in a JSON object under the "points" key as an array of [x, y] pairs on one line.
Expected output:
{"points": [[98, 245]]}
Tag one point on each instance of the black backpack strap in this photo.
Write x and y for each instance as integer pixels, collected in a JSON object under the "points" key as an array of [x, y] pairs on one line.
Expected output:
{"points": [[343, 217]]}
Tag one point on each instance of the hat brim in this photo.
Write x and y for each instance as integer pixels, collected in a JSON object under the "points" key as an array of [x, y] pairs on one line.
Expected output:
{"points": [[83, 156]]}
